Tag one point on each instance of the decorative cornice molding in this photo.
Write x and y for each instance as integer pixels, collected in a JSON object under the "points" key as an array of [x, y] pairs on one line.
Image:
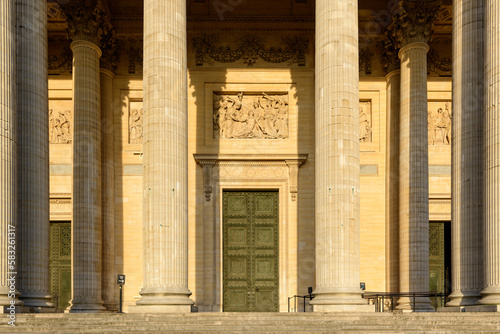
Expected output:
{"points": [[250, 49], [209, 162]]}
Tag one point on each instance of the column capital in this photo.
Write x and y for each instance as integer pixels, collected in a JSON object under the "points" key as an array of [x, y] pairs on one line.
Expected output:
{"points": [[414, 21], [389, 49], [87, 20]]}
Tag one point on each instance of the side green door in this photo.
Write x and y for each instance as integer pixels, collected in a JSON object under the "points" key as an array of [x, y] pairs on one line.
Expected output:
{"points": [[439, 259], [251, 252], [60, 263]]}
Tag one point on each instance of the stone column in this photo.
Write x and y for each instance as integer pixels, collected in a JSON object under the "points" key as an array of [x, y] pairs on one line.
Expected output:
{"points": [[337, 158], [165, 159], [415, 22], [33, 153], [86, 28], [8, 145], [467, 154], [491, 236], [393, 79], [108, 192]]}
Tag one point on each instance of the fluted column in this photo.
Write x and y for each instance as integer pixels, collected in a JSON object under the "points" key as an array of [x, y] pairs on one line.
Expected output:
{"points": [[86, 233], [337, 226], [33, 153], [88, 22], [165, 223], [108, 192], [8, 145], [467, 143], [491, 291], [393, 79], [415, 22]]}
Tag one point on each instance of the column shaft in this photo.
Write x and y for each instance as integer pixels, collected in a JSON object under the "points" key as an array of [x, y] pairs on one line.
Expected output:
{"points": [[491, 291], [33, 153], [414, 176], [467, 134], [8, 145], [392, 181], [165, 159], [86, 228], [337, 157], [108, 192]]}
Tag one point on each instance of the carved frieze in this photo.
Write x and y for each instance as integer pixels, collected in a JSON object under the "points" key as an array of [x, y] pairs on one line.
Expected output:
{"points": [[250, 49], [60, 126], [366, 56], [437, 64], [247, 116], [439, 123], [61, 63], [134, 60], [135, 123], [365, 122]]}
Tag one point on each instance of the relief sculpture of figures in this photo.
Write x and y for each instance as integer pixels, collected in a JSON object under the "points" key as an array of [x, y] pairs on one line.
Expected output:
{"points": [[439, 125], [59, 127], [135, 126], [250, 116], [365, 126]]}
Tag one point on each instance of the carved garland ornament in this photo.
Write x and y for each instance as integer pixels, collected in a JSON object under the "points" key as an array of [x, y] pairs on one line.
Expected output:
{"points": [[250, 49]]}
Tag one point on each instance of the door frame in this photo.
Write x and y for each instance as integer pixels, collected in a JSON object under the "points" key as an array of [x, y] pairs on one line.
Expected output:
{"points": [[247, 173]]}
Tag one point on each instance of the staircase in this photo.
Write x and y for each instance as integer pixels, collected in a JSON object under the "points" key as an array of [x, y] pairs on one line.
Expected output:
{"points": [[255, 323]]}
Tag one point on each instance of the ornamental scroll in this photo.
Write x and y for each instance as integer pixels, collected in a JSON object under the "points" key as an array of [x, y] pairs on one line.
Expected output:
{"points": [[260, 116]]}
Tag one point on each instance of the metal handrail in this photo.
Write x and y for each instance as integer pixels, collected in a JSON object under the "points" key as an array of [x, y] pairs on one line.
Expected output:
{"points": [[310, 296], [379, 299]]}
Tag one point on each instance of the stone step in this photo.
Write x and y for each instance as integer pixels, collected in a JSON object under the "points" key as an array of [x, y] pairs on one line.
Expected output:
{"points": [[255, 322]]}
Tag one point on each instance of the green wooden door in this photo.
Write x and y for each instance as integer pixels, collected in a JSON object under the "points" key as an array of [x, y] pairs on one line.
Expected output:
{"points": [[60, 263], [250, 225], [438, 258]]}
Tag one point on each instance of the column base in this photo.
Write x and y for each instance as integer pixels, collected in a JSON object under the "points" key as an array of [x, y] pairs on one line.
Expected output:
{"points": [[340, 300], [491, 296], [111, 306], [421, 304], [33, 299], [467, 298], [163, 300], [85, 307]]}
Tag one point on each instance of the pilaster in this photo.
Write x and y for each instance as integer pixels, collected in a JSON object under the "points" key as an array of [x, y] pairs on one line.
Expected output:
{"points": [[467, 153]]}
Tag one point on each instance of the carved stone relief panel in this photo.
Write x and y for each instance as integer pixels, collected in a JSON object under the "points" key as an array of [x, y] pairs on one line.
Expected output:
{"points": [[365, 121], [60, 121], [250, 115], [439, 122], [135, 123]]}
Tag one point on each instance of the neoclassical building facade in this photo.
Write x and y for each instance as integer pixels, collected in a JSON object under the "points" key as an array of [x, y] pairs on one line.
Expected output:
{"points": [[225, 155]]}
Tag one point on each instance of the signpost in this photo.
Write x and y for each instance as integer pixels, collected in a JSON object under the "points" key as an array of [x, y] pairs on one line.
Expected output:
{"points": [[121, 282]]}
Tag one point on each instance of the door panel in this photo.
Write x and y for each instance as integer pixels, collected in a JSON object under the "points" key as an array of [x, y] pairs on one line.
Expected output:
{"points": [[60, 263], [250, 224]]}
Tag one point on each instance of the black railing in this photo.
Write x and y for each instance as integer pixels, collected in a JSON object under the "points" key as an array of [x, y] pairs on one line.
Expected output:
{"points": [[293, 307], [386, 302]]}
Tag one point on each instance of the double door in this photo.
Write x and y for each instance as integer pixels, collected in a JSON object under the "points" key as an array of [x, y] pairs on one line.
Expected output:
{"points": [[250, 251]]}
